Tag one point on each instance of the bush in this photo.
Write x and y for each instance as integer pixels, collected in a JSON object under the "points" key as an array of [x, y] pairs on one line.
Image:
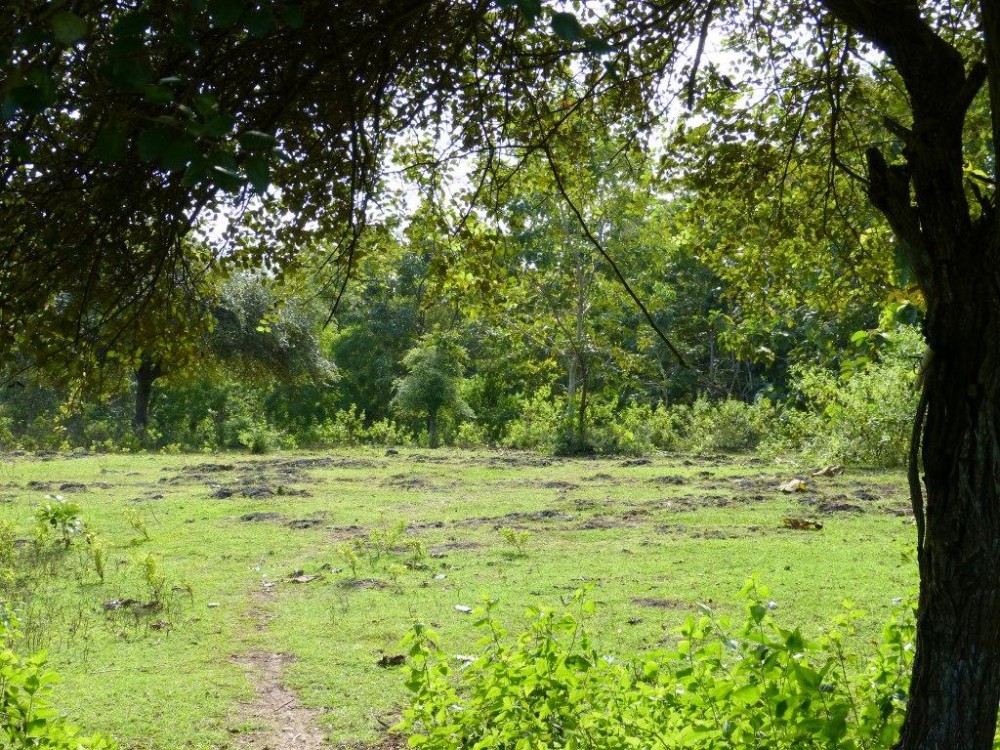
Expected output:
{"points": [[470, 435], [758, 685], [863, 417], [728, 426], [539, 425], [26, 718], [387, 432], [345, 427]]}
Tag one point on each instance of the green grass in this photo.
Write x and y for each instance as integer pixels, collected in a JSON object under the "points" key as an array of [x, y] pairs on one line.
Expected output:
{"points": [[650, 549]]}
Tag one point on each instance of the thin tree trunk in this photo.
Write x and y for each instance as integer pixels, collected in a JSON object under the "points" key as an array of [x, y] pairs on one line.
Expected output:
{"points": [[146, 374], [432, 435], [571, 382], [581, 430]]}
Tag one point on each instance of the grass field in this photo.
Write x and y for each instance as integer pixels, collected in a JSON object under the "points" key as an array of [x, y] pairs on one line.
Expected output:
{"points": [[263, 628]]}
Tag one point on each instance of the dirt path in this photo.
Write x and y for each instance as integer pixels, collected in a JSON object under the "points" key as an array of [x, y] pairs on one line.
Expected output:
{"points": [[279, 721]]}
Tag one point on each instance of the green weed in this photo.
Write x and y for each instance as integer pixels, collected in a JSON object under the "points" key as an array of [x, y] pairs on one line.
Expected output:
{"points": [[517, 540]]}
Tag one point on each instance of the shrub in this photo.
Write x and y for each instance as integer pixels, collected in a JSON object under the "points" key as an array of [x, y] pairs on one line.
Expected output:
{"points": [[387, 432], [26, 718], [470, 435], [863, 417], [728, 425], [758, 685], [345, 427], [538, 426]]}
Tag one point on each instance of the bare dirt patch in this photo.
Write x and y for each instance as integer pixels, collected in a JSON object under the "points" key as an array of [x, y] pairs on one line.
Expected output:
{"points": [[439, 550], [636, 462], [661, 603], [559, 484], [306, 523], [601, 523], [519, 460], [207, 468], [258, 517], [521, 517], [408, 482], [669, 479], [834, 507], [276, 719], [362, 583]]}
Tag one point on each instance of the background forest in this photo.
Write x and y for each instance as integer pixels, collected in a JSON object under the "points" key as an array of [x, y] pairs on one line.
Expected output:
{"points": [[508, 328]]}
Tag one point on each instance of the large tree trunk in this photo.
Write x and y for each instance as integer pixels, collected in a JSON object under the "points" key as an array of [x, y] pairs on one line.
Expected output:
{"points": [[955, 687], [954, 253]]}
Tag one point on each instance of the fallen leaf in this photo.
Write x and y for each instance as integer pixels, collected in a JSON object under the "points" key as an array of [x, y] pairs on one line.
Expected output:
{"points": [[793, 485]]}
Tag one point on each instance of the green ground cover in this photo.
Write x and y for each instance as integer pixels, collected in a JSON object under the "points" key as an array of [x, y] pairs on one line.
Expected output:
{"points": [[253, 555]]}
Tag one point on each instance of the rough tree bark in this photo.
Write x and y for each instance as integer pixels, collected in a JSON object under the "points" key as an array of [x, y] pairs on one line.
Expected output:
{"points": [[955, 688]]}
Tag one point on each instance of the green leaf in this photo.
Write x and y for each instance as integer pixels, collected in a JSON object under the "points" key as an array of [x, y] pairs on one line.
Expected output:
{"points": [[128, 72], [195, 172], [225, 13], [293, 16], [567, 27], [152, 142], [8, 109], [219, 125], [258, 173], [226, 179], [20, 151], [132, 24], [597, 46], [255, 140], [110, 143], [259, 22], [68, 27], [29, 98], [179, 152], [156, 94], [530, 9], [206, 104]]}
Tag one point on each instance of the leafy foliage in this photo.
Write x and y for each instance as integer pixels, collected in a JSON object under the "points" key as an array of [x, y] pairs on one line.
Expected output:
{"points": [[721, 686], [861, 417], [432, 384], [27, 720]]}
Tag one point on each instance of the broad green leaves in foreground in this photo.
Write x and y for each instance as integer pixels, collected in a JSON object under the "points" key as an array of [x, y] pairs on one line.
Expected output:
{"points": [[723, 686]]}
